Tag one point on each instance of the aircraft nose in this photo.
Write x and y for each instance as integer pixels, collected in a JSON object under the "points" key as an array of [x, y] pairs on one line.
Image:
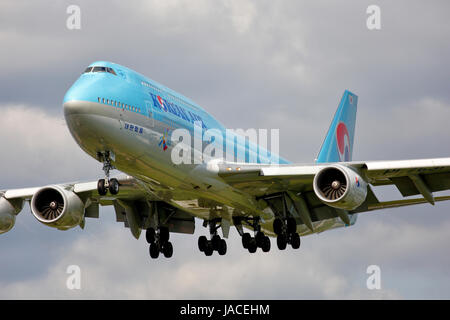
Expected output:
{"points": [[75, 103], [74, 107], [75, 99]]}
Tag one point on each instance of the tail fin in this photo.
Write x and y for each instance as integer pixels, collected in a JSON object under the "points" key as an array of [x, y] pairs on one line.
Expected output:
{"points": [[338, 144]]}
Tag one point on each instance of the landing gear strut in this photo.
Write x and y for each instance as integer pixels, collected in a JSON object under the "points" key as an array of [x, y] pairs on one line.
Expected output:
{"points": [[259, 240], [159, 242], [216, 243], [286, 231], [103, 185]]}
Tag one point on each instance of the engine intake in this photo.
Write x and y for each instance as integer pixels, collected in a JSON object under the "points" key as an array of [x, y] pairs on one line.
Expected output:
{"points": [[340, 187], [57, 207]]}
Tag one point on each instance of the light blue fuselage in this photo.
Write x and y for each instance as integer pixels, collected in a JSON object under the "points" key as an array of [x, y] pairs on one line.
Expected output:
{"points": [[133, 117]]}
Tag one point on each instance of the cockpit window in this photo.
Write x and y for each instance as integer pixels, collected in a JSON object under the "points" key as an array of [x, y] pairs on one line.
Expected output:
{"points": [[100, 69], [110, 70]]}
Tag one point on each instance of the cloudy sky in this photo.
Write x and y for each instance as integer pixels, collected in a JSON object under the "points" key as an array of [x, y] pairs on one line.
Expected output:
{"points": [[252, 64]]}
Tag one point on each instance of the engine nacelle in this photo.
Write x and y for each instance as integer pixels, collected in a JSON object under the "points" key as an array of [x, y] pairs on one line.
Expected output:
{"points": [[57, 207], [8, 211], [340, 187]]}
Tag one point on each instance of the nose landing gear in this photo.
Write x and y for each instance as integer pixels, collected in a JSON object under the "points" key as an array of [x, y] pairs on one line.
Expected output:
{"points": [[103, 185]]}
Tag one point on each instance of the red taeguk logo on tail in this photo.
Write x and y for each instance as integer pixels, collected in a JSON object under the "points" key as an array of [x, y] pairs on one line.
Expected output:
{"points": [[343, 142]]}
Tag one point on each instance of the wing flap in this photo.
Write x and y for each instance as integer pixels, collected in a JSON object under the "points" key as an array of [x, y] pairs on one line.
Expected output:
{"points": [[403, 202], [411, 177]]}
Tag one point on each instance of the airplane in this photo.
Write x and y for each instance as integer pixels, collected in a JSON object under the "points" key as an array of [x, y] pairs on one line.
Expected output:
{"points": [[126, 121]]}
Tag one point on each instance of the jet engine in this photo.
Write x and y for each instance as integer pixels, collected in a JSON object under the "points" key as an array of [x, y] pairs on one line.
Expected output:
{"points": [[340, 187], [8, 211], [57, 207]]}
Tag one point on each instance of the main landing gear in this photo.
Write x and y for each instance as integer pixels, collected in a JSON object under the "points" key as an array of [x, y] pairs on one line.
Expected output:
{"points": [[258, 241], [159, 242], [252, 243], [103, 185], [286, 231], [216, 243]]}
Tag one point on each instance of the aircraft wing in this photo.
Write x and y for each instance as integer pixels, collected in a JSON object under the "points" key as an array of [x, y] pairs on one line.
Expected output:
{"points": [[411, 177], [137, 201], [130, 189], [133, 205]]}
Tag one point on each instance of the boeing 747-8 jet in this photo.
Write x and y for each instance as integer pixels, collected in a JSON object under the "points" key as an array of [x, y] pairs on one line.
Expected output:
{"points": [[127, 122]]}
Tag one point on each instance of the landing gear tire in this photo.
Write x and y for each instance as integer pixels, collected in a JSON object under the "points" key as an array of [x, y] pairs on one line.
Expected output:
{"points": [[281, 242], [295, 241], [216, 242], [167, 249], [209, 249], [259, 239], [266, 244], [222, 247], [150, 235], [252, 246], [154, 251], [114, 186], [164, 234], [101, 188], [291, 225], [278, 226], [202, 242], [246, 237]]}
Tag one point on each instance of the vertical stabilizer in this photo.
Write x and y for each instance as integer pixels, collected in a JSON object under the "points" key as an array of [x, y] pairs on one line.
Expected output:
{"points": [[338, 144]]}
